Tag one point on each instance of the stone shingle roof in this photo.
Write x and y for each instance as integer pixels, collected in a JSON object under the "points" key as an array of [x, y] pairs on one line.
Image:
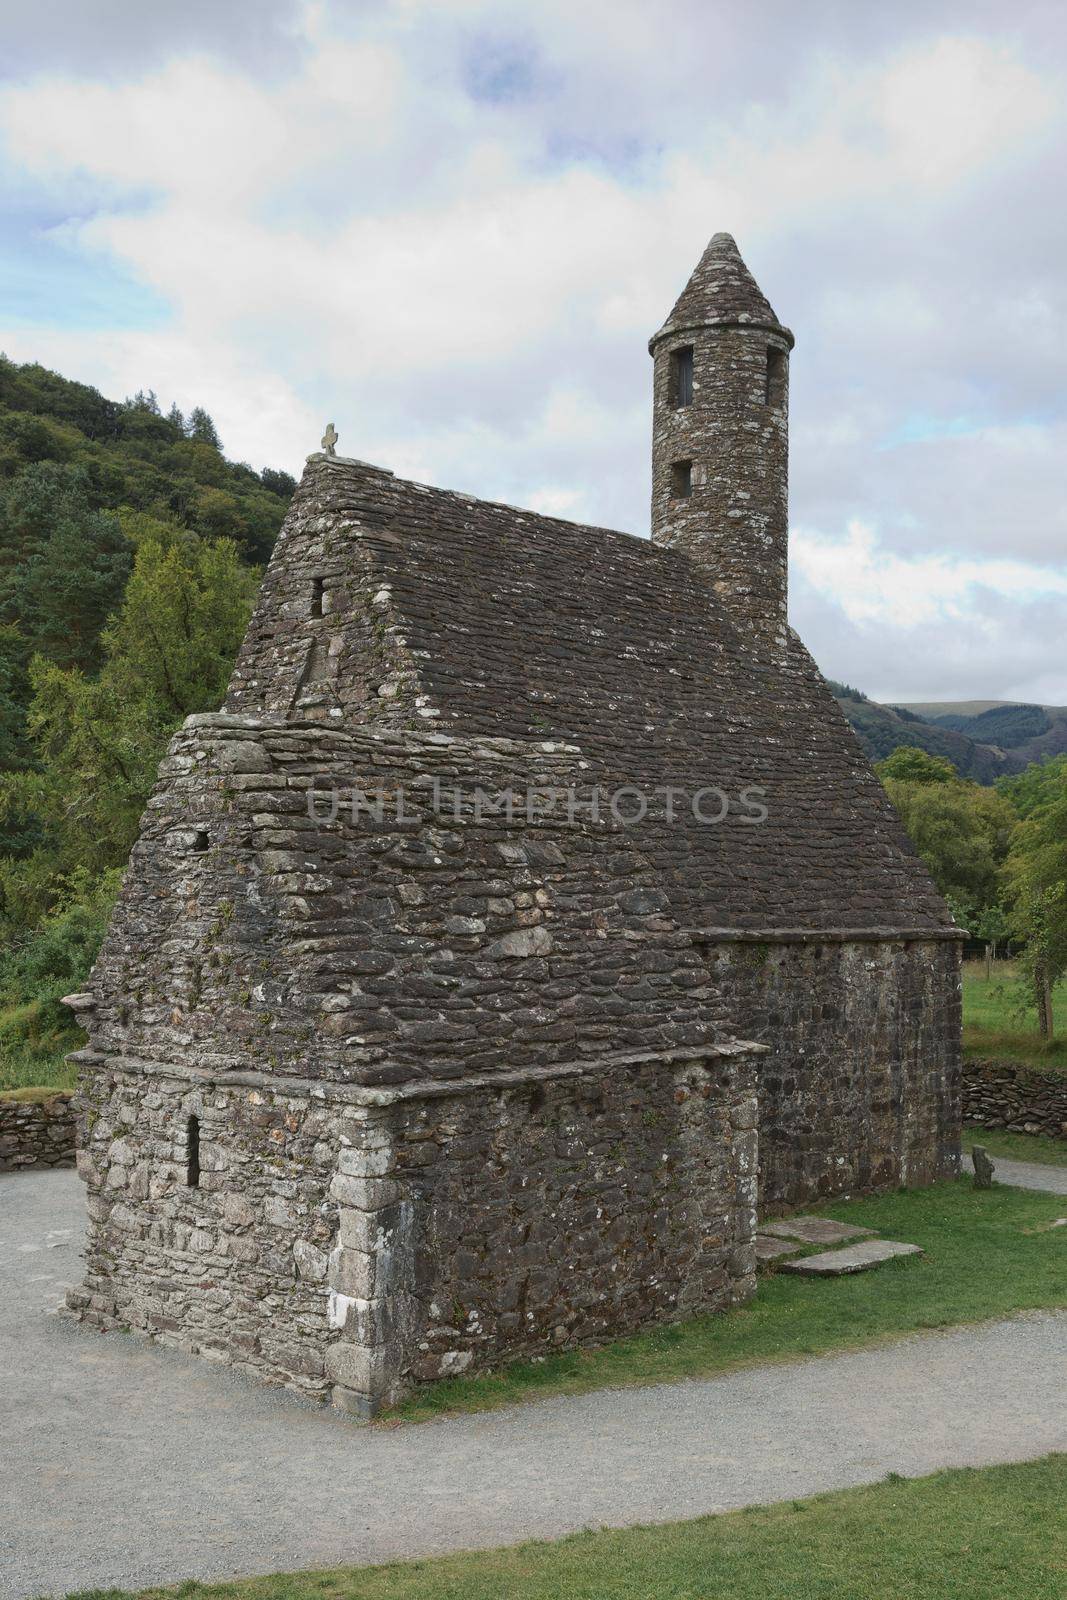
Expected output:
{"points": [[480, 619], [721, 292]]}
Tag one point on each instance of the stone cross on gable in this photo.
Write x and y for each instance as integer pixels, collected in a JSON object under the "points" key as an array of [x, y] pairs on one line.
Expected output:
{"points": [[329, 440]]}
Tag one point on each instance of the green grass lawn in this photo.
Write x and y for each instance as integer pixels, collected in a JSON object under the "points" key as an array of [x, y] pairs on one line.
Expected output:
{"points": [[991, 1027], [996, 1533], [1014, 1146], [31, 1096], [988, 1253]]}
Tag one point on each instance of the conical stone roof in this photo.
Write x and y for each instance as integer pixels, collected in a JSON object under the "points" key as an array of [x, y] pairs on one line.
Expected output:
{"points": [[721, 293]]}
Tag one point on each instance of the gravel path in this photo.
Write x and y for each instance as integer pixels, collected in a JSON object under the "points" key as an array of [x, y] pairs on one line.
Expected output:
{"points": [[124, 1464], [1029, 1175]]}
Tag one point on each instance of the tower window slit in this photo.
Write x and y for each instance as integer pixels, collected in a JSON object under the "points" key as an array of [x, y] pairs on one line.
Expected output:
{"points": [[681, 479], [681, 376], [316, 597], [774, 391], [192, 1153]]}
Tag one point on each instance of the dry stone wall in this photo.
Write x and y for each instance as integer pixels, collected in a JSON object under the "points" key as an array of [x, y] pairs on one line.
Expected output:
{"points": [[860, 1088], [325, 641], [1009, 1094], [36, 1133]]}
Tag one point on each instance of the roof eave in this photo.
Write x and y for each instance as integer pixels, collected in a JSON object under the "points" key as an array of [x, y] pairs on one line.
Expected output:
{"points": [[672, 329]]}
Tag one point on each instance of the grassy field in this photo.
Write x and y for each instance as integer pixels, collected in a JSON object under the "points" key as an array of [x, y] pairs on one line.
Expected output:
{"points": [[32, 1048], [996, 1533], [988, 1253], [1015, 1146], [992, 1028]]}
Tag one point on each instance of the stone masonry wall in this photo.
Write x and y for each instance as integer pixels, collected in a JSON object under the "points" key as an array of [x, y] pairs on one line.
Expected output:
{"points": [[424, 942], [1009, 1094], [563, 1210], [861, 1087], [36, 1133], [234, 1268], [735, 434], [324, 641], [360, 1241]]}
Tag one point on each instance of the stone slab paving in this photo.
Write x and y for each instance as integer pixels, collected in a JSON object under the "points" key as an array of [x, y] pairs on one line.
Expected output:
{"points": [[122, 1464], [860, 1257], [814, 1230], [768, 1249]]}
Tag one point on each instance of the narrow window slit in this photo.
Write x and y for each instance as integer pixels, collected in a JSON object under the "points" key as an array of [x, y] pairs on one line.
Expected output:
{"points": [[192, 1153], [200, 841], [681, 479], [316, 597], [774, 389], [681, 376]]}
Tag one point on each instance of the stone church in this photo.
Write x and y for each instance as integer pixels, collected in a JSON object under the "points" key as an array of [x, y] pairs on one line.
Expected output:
{"points": [[528, 918]]}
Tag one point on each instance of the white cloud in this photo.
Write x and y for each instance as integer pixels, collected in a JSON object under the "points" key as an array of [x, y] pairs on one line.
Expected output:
{"points": [[872, 585], [452, 226]]}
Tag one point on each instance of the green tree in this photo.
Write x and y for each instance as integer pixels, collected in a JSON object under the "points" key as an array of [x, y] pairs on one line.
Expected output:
{"points": [[1036, 786], [278, 482], [1036, 880], [63, 565], [202, 428], [184, 615], [962, 831], [14, 698], [909, 764], [98, 741], [132, 456]]}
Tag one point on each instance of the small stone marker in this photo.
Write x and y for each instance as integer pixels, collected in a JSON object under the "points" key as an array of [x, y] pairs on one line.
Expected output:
{"points": [[814, 1230], [983, 1167], [768, 1249], [329, 440], [858, 1257]]}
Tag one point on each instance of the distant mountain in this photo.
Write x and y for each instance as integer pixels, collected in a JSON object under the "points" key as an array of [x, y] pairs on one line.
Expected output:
{"points": [[883, 729], [984, 739], [1021, 731]]}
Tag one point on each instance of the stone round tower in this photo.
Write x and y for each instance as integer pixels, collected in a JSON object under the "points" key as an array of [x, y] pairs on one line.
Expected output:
{"points": [[720, 440]]}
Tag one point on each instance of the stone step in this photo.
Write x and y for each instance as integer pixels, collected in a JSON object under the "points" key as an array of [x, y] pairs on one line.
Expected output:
{"points": [[814, 1230], [860, 1257]]}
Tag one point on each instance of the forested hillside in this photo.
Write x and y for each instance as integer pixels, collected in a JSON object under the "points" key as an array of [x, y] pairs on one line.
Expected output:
{"points": [[883, 729], [1023, 732], [983, 742], [130, 554]]}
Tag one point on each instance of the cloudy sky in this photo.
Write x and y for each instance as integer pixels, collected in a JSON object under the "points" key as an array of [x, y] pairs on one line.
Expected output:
{"points": [[451, 225]]}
